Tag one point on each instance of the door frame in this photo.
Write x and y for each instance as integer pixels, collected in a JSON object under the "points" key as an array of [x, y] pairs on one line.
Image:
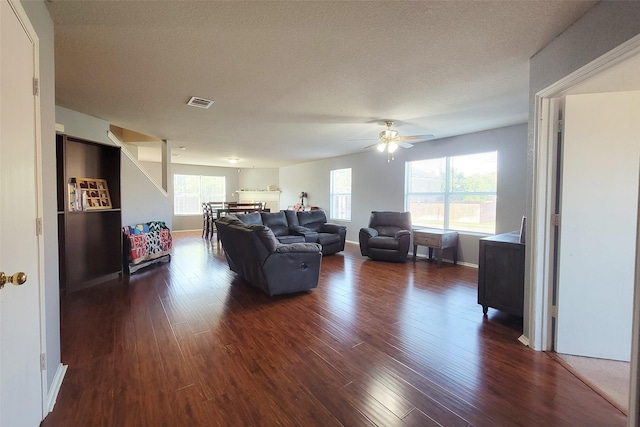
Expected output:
{"points": [[33, 36], [542, 228]]}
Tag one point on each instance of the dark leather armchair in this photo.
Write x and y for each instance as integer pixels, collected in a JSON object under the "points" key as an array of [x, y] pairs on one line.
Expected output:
{"points": [[388, 236]]}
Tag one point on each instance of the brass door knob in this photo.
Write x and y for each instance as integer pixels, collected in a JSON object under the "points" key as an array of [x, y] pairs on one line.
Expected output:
{"points": [[16, 279]]}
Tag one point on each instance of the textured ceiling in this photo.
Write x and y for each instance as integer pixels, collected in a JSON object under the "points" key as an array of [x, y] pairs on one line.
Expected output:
{"points": [[295, 81]]}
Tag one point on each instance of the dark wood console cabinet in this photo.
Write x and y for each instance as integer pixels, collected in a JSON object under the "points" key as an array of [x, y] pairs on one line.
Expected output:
{"points": [[89, 241], [501, 273]]}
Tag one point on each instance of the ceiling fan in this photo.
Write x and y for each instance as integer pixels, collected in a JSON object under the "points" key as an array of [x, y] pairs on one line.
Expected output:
{"points": [[389, 140]]}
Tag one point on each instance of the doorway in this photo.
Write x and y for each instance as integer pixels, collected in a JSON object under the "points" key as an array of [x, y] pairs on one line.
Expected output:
{"points": [[611, 73]]}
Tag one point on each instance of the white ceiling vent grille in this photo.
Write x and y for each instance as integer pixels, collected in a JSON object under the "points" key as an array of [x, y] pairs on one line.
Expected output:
{"points": [[200, 102]]}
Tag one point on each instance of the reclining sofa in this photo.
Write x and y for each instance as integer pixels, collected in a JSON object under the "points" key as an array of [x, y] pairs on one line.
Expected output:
{"points": [[254, 253], [296, 227]]}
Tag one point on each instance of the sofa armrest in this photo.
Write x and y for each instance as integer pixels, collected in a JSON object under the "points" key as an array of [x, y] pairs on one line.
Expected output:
{"points": [[308, 234], [333, 228], [298, 247], [401, 233], [365, 234], [369, 232]]}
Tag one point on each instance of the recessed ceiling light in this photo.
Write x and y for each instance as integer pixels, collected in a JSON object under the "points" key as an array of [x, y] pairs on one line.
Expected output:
{"points": [[233, 160], [200, 102]]}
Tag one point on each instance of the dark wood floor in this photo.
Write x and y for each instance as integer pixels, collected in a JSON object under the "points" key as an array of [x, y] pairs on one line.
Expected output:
{"points": [[189, 344]]}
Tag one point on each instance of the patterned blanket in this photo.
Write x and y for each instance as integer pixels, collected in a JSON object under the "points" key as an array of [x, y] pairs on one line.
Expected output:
{"points": [[148, 241]]}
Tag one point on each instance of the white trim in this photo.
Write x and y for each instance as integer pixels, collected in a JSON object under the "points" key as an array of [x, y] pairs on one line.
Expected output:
{"points": [[524, 340], [54, 390], [616, 55], [135, 161], [634, 392]]}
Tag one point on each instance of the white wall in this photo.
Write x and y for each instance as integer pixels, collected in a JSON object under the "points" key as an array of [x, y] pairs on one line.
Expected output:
{"points": [[379, 185], [41, 21], [602, 28], [258, 178], [140, 198]]}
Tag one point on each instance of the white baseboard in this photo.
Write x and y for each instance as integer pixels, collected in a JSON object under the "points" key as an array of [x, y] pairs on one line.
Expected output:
{"points": [[55, 386], [524, 340]]}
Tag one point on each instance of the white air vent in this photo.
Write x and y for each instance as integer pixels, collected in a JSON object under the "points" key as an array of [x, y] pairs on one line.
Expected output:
{"points": [[200, 102]]}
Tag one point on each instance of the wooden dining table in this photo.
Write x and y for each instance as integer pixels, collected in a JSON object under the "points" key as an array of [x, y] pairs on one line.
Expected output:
{"points": [[221, 211]]}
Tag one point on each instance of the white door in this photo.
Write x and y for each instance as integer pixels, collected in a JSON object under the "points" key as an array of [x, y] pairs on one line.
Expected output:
{"points": [[20, 377], [598, 224]]}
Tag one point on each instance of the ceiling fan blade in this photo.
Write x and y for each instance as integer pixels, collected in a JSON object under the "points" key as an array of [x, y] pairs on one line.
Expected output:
{"points": [[404, 144], [417, 137]]}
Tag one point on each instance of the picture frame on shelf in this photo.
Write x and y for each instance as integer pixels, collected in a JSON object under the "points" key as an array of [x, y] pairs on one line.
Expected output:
{"points": [[87, 194]]}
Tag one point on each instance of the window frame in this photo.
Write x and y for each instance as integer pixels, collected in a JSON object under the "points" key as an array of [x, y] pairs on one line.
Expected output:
{"points": [[448, 193], [333, 194], [200, 194]]}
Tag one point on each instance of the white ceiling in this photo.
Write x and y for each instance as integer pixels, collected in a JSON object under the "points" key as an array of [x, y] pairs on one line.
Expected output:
{"points": [[295, 81]]}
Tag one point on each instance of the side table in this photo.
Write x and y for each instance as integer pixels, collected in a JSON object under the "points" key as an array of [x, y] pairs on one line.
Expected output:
{"points": [[436, 239]]}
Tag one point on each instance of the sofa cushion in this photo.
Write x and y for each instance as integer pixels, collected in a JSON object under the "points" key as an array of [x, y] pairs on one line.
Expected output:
{"points": [[250, 218], [384, 242], [313, 220], [276, 221]]}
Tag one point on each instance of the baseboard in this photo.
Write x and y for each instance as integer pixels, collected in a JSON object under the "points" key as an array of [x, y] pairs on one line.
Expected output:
{"points": [[55, 386], [524, 340]]}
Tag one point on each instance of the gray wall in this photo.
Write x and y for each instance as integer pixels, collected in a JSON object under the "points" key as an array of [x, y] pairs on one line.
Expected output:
{"points": [[154, 169], [141, 200], [41, 21], [602, 28], [379, 185]]}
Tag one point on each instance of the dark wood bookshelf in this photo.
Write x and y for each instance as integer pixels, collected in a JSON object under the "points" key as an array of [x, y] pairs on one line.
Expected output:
{"points": [[89, 241]]}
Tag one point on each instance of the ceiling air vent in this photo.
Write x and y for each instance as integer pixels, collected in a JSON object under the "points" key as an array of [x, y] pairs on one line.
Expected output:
{"points": [[200, 102]]}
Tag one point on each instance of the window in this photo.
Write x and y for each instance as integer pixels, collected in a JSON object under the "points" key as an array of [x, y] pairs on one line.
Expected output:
{"points": [[190, 191], [341, 194], [456, 193]]}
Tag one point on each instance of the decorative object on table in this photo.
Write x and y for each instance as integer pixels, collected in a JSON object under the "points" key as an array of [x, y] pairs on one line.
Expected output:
{"points": [[303, 195]]}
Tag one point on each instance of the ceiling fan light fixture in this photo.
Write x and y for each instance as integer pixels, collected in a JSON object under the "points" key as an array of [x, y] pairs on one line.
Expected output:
{"points": [[381, 147], [388, 134], [392, 147]]}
